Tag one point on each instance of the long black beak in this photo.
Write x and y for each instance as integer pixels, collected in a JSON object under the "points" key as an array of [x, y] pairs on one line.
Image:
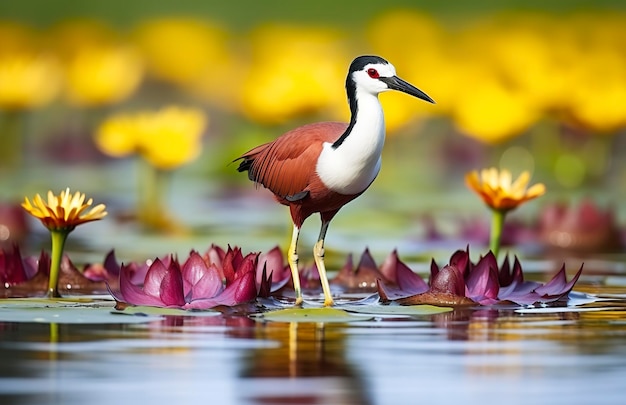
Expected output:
{"points": [[395, 83]]}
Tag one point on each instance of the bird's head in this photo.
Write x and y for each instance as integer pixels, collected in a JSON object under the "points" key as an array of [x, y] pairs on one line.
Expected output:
{"points": [[375, 75]]}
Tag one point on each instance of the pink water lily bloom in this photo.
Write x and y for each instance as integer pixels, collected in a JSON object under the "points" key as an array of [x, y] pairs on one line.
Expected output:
{"points": [[201, 282]]}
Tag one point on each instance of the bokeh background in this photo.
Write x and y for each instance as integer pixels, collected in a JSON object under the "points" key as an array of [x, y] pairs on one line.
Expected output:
{"points": [[92, 93]]}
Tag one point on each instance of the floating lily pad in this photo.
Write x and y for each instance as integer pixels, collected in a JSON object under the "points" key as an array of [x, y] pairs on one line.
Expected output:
{"points": [[395, 310], [63, 302], [323, 315], [66, 315]]}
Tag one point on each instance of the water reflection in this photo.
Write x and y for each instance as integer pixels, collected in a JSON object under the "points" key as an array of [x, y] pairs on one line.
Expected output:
{"points": [[308, 367], [542, 355]]}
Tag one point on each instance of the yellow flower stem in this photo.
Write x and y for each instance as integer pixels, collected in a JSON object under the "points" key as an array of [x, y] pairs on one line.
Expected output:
{"points": [[497, 224], [58, 243], [153, 184], [11, 149]]}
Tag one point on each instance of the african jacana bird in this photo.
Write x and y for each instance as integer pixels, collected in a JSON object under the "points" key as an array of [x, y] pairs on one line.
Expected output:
{"points": [[321, 167]]}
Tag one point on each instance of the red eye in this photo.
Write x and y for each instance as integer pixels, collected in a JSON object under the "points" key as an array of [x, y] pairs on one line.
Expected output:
{"points": [[373, 73]]}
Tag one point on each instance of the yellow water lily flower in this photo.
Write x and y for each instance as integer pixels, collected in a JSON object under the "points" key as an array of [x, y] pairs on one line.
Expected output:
{"points": [[61, 214], [501, 194], [64, 211], [499, 191]]}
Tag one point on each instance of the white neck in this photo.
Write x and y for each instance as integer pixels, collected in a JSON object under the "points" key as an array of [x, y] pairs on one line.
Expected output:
{"points": [[353, 165]]}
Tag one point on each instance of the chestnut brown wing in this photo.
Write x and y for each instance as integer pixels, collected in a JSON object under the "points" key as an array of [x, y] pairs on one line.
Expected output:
{"points": [[286, 165]]}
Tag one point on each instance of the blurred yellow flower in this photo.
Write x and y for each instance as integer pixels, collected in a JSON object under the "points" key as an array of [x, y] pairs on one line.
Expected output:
{"points": [[29, 76], [498, 190], [487, 110], [100, 68], [117, 135], [181, 50], [597, 95], [167, 138], [171, 136], [424, 62], [526, 51], [294, 71], [103, 75], [65, 211], [28, 80]]}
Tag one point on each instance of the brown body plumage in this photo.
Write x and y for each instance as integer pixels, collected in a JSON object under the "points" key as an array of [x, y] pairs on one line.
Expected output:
{"points": [[286, 166]]}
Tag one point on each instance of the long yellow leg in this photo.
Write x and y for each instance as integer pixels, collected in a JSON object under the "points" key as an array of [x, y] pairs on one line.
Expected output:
{"points": [[292, 259], [318, 255]]}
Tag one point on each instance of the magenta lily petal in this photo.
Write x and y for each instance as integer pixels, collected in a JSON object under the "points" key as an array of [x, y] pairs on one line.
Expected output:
{"points": [[265, 285], [11, 267], [460, 260], [558, 286], [482, 284], [171, 289], [366, 260], [272, 261], [434, 270], [199, 279], [521, 293], [248, 263], [193, 269], [209, 285], [232, 260], [134, 294], [154, 277], [240, 291], [509, 276], [408, 280]]}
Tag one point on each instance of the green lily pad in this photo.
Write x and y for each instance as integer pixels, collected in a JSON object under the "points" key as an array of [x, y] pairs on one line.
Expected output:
{"points": [[397, 310], [64, 302], [70, 315], [315, 315]]}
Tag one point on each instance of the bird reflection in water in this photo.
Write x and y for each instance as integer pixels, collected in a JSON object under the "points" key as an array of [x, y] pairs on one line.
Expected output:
{"points": [[309, 366]]}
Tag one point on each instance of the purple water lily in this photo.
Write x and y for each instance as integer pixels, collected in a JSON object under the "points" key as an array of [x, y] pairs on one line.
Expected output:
{"points": [[201, 282], [462, 282]]}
